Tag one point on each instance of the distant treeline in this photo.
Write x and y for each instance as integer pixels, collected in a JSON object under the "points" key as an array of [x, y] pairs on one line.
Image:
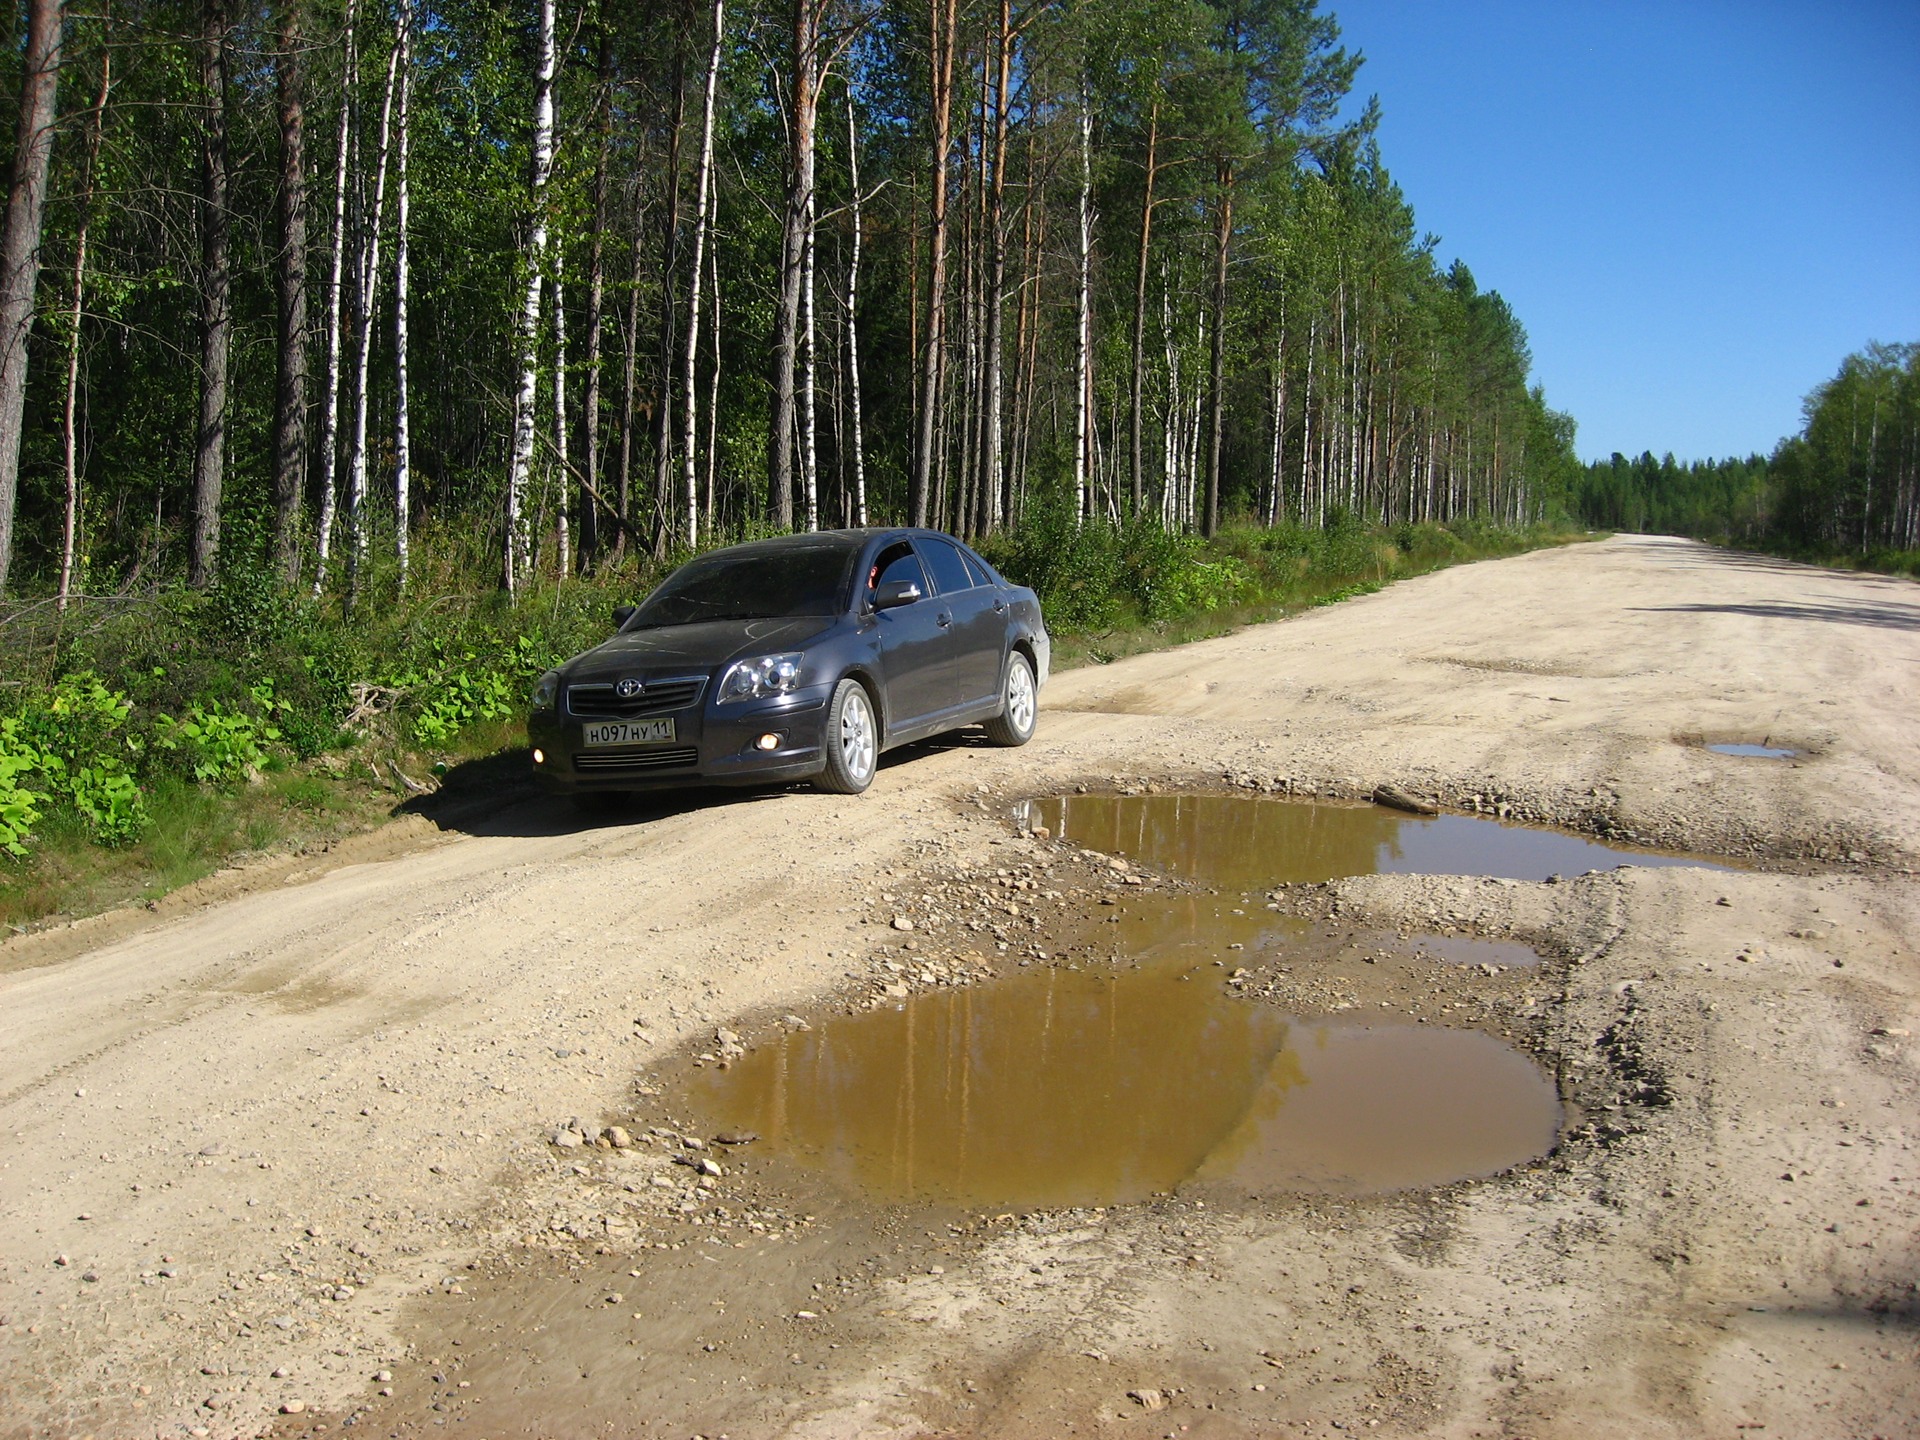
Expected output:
{"points": [[1846, 485]]}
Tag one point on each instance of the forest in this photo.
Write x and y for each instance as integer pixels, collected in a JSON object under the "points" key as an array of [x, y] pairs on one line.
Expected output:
{"points": [[1845, 489], [555, 284], [357, 355]]}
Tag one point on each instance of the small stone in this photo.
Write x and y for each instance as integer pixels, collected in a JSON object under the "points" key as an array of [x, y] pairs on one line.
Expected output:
{"points": [[61, 1260], [901, 922], [615, 1297], [294, 1407], [735, 1137], [383, 1377], [726, 1036], [618, 1137], [1148, 1399], [694, 1142], [343, 1292], [280, 1372], [567, 1139], [706, 1167]]}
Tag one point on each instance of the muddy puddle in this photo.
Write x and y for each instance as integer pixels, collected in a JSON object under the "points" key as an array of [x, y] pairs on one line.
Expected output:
{"points": [[1246, 842], [1108, 1085]]}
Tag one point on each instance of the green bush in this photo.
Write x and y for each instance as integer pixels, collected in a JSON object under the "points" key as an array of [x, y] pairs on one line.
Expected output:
{"points": [[19, 805]]}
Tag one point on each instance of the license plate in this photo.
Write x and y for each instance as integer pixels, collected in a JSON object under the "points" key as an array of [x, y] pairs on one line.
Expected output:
{"points": [[628, 732]]}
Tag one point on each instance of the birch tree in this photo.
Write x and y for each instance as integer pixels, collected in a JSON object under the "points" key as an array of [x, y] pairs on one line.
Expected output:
{"points": [[689, 406], [216, 308], [402, 282], [330, 409], [514, 561]]}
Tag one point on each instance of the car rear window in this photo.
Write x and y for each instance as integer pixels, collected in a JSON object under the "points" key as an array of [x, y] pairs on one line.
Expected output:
{"points": [[949, 570], [750, 584]]}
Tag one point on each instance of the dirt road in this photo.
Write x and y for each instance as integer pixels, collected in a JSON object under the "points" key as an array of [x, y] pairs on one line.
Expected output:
{"points": [[289, 1162]]}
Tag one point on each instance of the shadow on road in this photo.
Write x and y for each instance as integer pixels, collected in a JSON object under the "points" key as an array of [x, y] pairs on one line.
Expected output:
{"points": [[1884, 617], [498, 795]]}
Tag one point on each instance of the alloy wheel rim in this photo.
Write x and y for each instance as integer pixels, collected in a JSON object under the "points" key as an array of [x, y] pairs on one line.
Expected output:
{"points": [[856, 735], [1020, 698]]}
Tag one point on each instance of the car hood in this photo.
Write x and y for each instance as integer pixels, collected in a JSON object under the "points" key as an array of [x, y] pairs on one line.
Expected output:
{"points": [[696, 647]]}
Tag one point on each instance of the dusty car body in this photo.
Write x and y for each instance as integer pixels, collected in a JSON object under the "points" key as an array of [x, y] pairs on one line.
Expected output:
{"points": [[801, 657]]}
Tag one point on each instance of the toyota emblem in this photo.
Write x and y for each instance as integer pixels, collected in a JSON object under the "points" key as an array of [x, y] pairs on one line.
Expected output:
{"points": [[628, 688]]}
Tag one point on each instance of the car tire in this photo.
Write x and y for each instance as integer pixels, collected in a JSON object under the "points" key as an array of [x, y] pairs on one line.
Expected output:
{"points": [[1020, 704], [850, 741]]}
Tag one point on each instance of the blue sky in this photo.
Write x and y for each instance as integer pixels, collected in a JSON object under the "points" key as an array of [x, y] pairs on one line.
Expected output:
{"points": [[1696, 208]]}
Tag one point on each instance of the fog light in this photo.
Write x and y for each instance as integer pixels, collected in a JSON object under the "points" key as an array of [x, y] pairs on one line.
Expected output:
{"points": [[768, 742], [539, 757]]}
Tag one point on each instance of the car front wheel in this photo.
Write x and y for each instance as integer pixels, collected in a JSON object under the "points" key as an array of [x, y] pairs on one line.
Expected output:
{"points": [[851, 741], [1020, 705]]}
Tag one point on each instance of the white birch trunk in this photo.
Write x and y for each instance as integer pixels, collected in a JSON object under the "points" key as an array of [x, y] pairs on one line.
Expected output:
{"points": [[853, 327], [402, 218], [363, 339], [70, 530], [563, 533], [809, 413], [330, 415], [1083, 348], [690, 410], [713, 381], [514, 558]]}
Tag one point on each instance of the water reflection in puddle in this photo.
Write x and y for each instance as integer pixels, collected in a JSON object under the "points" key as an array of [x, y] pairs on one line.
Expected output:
{"points": [[1755, 752], [1103, 1086], [1246, 842]]}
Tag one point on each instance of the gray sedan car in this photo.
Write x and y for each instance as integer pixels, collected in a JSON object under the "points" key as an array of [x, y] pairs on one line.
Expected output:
{"points": [[802, 657]]}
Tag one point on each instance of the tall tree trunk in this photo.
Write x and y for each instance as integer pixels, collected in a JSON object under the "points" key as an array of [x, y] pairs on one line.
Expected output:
{"points": [[669, 273], [713, 381], [853, 325], [216, 307], [563, 538], [1216, 402], [993, 442], [330, 415], [70, 530], [515, 558], [590, 491], [367, 294], [402, 280], [802, 108], [20, 245], [689, 407], [629, 355], [1083, 344], [1136, 400], [943, 19], [810, 377], [290, 389]]}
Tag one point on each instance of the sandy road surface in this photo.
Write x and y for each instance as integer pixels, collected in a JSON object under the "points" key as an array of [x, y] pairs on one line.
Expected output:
{"points": [[258, 1155]]}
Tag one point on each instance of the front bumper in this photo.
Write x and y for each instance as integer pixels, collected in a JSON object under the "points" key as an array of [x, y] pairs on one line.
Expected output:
{"points": [[712, 745]]}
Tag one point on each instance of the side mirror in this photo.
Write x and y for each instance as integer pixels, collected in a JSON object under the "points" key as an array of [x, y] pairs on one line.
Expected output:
{"points": [[894, 594], [622, 614]]}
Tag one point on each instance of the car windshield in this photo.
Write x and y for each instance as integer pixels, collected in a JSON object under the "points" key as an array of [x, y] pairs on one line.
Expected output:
{"points": [[750, 584]]}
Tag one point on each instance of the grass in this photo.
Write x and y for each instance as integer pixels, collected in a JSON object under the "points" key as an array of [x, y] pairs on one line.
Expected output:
{"points": [[1107, 594]]}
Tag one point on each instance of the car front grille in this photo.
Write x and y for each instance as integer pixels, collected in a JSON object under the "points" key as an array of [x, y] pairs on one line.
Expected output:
{"points": [[599, 700], [633, 758]]}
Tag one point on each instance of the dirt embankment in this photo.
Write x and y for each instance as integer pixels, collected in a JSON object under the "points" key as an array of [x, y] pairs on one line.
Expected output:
{"points": [[296, 1151]]}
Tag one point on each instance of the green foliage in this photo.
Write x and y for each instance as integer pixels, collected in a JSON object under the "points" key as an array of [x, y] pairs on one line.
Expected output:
{"points": [[452, 690], [19, 804]]}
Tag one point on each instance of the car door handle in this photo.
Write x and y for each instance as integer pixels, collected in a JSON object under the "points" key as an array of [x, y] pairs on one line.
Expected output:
{"points": [[944, 619], [999, 607]]}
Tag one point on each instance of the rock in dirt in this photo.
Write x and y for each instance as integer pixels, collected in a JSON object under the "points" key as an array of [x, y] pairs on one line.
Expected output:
{"points": [[1148, 1399], [1394, 798]]}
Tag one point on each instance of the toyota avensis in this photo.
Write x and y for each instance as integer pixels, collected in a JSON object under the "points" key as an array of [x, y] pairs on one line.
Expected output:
{"points": [[799, 657]]}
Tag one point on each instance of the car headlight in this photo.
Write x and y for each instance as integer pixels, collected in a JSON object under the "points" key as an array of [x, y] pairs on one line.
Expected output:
{"points": [[758, 678], [545, 689]]}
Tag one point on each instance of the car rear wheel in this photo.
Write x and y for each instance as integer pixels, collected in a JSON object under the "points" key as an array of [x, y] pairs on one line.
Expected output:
{"points": [[851, 741], [1020, 705]]}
